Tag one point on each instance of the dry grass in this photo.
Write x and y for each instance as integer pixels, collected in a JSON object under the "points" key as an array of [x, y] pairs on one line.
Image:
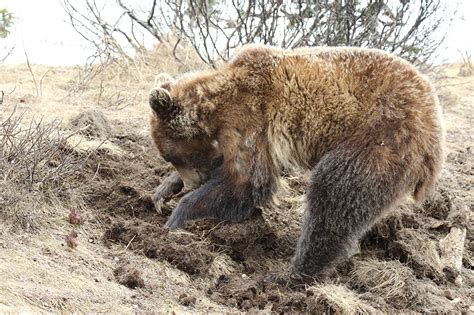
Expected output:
{"points": [[222, 265], [40, 273], [388, 279], [338, 299], [420, 252]]}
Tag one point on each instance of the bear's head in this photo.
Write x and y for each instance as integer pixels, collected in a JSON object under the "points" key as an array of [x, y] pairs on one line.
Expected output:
{"points": [[182, 128]]}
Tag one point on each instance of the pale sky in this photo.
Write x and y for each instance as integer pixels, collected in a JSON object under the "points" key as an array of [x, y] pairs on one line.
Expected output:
{"points": [[42, 29]]}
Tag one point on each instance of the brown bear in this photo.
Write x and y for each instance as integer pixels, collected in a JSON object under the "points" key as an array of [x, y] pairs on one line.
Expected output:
{"points": [[366, 123]]}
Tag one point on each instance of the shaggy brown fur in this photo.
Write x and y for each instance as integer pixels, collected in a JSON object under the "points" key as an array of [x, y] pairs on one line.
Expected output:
{"points": [[367, 123]]}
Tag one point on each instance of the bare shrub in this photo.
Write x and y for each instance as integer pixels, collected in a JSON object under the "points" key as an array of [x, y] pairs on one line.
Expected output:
{"points": [[119, 42], [86, 74], [34, 157], [467, 68], [411, 29], [406, 28]]}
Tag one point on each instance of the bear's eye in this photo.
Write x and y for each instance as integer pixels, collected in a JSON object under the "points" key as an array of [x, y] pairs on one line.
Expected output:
{"points": [[217, 162]]}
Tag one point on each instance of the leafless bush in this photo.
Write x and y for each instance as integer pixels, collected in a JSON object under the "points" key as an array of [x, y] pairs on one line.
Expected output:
{"points": [[467, 68], [411, 29], [116, 34], [85, 75], [407, 28], [34, 156]]}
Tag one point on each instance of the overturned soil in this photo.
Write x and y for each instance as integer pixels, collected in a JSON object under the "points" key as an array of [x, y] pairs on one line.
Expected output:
{"points": [[242, 266]]}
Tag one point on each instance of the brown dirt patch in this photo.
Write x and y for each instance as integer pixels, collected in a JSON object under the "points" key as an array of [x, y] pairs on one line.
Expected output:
{"points": [[92, 123], [185, 251], [129, 277], [399, 266], [186, 300]]}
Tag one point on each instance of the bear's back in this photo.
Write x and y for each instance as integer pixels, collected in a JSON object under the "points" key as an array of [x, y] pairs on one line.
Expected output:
{"points": [[325, 95]]}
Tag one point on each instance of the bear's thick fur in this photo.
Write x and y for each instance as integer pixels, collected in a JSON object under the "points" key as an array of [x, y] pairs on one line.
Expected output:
{"points": [[366, 123]]}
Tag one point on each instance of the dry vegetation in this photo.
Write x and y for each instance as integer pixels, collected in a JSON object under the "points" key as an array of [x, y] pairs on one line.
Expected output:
{"points": [[78, 231]]}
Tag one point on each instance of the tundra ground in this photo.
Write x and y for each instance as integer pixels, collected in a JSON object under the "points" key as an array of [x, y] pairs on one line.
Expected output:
{"points": [[80, 233]]}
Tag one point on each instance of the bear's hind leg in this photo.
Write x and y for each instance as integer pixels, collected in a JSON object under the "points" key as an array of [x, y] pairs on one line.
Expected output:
{"points": [[350, 189]]}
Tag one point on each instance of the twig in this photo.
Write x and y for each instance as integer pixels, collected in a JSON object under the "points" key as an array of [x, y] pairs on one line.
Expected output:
{"points": [[96, 171], [32, 73], [7, 55], [129, 243], [174, 51], [11, 92], [41, 81]]}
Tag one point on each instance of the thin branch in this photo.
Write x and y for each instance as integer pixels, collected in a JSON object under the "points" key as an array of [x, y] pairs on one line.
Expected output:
{"points": [[2, 59], [38, 94]]}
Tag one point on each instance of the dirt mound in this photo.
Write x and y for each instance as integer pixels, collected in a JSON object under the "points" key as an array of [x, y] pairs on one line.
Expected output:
{"points": [[91, 123], [129, 277], [124, 184], [186, 300], [252, 239]]}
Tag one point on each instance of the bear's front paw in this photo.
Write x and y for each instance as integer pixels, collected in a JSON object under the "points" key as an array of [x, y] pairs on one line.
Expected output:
{"points": [[160, 196], [166, 190], [177, 218]]}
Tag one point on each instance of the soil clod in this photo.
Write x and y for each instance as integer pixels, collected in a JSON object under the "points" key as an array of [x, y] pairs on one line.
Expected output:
{"points": [[129, 277], [186, 300]]}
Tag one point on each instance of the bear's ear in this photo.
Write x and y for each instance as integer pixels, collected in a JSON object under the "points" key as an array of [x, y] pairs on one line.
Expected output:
{"points": [[161, 103], [160, 98], [163, 80]]}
